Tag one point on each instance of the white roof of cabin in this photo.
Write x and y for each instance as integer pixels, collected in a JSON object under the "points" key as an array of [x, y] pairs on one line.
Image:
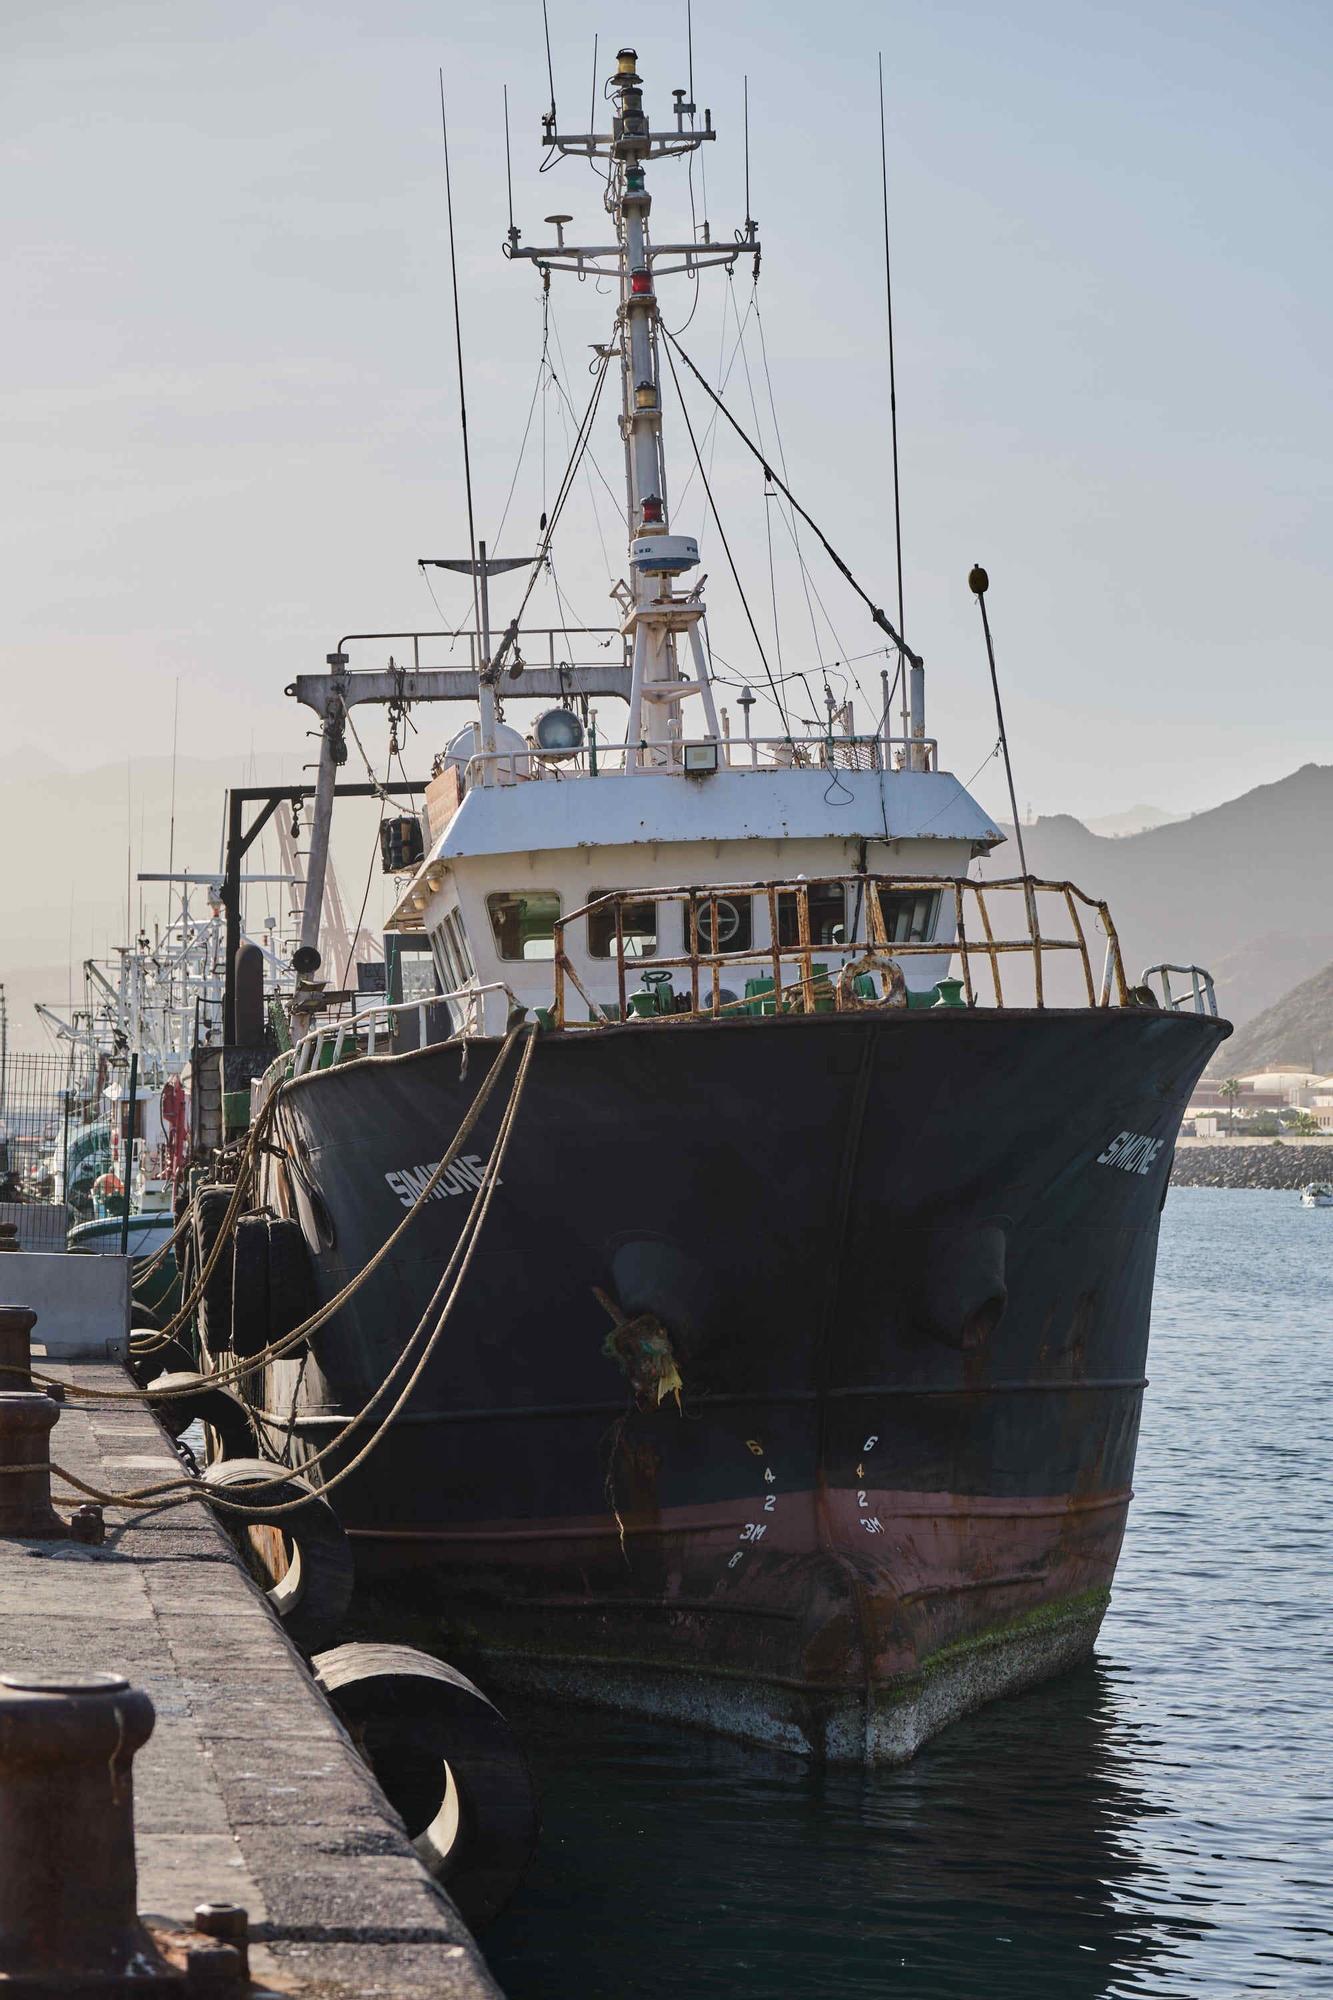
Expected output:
{"points": [[649, 808]]}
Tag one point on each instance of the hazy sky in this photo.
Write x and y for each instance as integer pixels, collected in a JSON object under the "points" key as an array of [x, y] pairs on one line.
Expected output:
{"points": [[230, 403]]}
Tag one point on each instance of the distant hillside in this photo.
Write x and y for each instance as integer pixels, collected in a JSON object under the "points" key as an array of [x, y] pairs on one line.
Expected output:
{"points": [[1297, 1029], [1236, 889], [1136, 819]]}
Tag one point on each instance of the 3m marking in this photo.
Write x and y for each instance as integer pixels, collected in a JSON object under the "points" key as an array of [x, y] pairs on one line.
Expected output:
{"points": [[462, 1178], [1132, 1152]]}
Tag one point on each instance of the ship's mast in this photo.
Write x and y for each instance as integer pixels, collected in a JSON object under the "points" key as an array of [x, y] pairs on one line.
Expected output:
{"points": [[658, 623]]}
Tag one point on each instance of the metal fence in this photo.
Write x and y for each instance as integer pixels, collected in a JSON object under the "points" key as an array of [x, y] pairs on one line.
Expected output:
{"points": [[52, 1147]]}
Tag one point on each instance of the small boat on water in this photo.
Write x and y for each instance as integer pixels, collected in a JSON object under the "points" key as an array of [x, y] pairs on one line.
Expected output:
{"points": [[1319, 1194], [793, 1384]]}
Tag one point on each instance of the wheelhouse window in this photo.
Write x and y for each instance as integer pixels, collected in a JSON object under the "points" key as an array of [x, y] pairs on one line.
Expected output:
{"points": [[524, 922], [910, 916], [735, 923], [453, 958], [638, 928], [828, 915], [453, 924]]}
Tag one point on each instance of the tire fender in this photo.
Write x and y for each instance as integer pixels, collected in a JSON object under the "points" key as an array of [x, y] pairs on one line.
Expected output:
{"points": [[249, 1286], [448, 1762], [214, 1310], [314, 1590], [207, 1402]]}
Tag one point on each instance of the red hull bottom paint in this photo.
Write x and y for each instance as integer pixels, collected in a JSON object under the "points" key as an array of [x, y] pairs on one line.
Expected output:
{"points": [[919, 1607]]}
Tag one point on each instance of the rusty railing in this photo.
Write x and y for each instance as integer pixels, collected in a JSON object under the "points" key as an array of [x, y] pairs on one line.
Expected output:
{"points": [[869, 949]]}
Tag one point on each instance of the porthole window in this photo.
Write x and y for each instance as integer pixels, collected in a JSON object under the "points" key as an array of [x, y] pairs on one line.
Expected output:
{"points": [[523, 922], [735, 922]]}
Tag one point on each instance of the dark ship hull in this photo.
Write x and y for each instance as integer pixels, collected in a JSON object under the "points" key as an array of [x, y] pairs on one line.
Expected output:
{"points": [[904, 1261]]}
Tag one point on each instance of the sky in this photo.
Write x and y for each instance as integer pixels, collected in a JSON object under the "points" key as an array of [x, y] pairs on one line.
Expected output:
{"points": [[230, 404]]}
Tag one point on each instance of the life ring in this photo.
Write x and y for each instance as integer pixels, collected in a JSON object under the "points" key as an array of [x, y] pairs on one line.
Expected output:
{"points": [[893, 985], [448, 1762], [301, 1560]]}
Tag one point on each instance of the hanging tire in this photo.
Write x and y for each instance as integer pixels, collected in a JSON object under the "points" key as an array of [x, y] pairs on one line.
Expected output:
{"points": [[448, 1763], [302, 1560], [143, 1318], [162, 1357], [291, 1279], [208, 1402], [214, 1311], [249, 1286]]}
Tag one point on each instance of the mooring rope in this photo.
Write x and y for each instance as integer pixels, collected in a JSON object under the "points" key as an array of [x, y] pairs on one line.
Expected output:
{"points": [[154, 1498]]}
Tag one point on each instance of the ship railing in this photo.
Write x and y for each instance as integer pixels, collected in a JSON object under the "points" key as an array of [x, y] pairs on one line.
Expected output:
{"points": [[734, 753], [1201, 996], [474, 1010], [806, 974]]}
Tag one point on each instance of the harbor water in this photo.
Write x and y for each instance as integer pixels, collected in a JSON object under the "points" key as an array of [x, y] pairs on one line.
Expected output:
{"points": [[1157, 1823]]}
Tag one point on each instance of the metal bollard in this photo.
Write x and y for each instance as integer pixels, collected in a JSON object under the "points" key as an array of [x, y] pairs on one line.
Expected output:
{"points": [[68, 1916], [16, 1325], [26, 1422]]}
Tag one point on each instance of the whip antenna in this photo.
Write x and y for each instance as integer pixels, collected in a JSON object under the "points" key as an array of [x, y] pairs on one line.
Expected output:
{"points": [[550, 72], [509, 177], [458, 348], [893, 380], [747, 152], [979, 583], [592, 102]]}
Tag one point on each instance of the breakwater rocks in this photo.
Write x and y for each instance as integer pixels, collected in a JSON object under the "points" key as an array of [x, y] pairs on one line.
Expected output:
{"points": [[1270, 1163]]}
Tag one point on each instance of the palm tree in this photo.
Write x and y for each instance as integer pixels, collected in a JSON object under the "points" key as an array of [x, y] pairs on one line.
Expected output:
{"points": [[1230, 1091]]}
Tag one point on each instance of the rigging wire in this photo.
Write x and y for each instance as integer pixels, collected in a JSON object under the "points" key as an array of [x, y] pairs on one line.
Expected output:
{"points": [[875, 611], [458, 343], [731, 561], [893, 380], [571, 470]]}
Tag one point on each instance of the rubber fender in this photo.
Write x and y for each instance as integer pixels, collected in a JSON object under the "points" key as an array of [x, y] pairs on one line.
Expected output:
{"points": [[249, 1286], [143, 1317], [158, 1359], [447, 1761], [210, 1403], [312, 1597], [291, 1278], [214, 1310]]}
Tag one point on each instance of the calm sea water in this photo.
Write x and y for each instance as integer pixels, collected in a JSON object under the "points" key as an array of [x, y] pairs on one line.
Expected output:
{"points": [[1160, 1822]]}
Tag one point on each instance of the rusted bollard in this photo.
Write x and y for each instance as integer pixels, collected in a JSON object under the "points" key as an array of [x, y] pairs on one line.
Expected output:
{"points": [[68, 1915], [26, 1422], [16, 1325]]}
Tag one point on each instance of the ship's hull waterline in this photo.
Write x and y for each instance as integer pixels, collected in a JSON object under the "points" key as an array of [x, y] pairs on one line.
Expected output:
{"points": [[905, 1264]]}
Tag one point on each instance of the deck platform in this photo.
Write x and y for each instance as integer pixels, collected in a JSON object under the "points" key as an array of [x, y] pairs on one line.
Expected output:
{"points": [[248, 1790]]}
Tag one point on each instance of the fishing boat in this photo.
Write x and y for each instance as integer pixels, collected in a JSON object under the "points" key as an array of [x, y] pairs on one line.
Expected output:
{"points": [[1319, 1194], [792, 1380]]}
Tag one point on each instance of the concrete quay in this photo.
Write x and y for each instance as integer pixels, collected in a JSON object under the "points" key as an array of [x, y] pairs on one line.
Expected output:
{"points": [[248, 1790]]}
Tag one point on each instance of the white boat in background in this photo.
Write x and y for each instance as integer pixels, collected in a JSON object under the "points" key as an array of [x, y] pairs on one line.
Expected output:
{"points": [[1319, 1194]]}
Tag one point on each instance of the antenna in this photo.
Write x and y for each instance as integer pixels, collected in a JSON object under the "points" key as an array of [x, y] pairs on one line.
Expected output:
{"points": [[550, 72], [592, 101], [747, 152], [979, 583], [458, 346], [893, 380], [509, 177]]}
